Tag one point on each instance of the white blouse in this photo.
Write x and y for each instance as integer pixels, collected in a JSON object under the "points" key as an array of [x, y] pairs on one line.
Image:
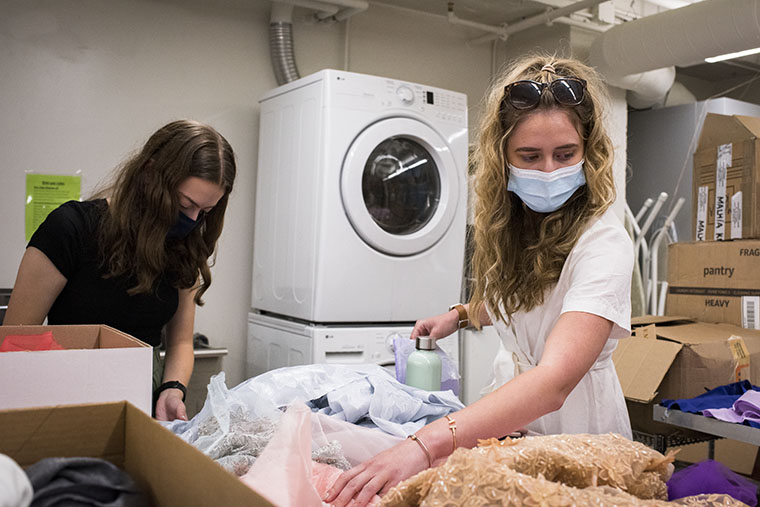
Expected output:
{"points": [[596, 278]]}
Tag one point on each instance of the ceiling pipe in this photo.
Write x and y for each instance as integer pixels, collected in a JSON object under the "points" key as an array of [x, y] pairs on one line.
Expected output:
{"points": [[640, 56], [682, 37], [647, 89], [281, 48], [281, 43], [504, 31]]}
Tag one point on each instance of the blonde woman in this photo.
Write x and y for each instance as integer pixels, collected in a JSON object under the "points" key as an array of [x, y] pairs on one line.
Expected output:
{"points": [[552, 270]]}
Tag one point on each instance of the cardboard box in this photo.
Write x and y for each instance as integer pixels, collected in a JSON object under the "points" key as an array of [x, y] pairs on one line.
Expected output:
{"points": [[726, 179], [676, 358], [715, 281], [168, 470], [737, 456], [99, 364]]}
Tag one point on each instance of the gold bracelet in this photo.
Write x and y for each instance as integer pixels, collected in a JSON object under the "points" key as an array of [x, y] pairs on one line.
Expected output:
{"points": [[424, 448], [453, 428]]}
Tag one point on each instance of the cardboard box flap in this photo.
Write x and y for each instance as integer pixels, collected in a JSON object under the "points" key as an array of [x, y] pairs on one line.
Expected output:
{"points": [[182, 481], [659, 320], [31, 435], [752, 123], [702, 332], [723, 129], [167, 470], [641, 365]]}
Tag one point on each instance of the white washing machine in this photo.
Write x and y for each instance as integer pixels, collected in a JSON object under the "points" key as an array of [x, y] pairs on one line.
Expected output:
{"points": [[275, 342], [360, 201]]}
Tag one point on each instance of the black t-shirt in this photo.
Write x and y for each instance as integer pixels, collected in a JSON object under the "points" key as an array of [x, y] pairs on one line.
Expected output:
{"points": [[68, 237]]}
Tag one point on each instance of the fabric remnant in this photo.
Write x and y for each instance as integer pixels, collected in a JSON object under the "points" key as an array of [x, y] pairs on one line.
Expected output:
{"points": [[721, 397], [363, 394], [82, 481], [710, 477]]}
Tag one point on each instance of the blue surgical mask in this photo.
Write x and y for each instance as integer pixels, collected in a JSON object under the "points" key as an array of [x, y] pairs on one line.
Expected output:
{"points": [[546, 192], [183, 226]]}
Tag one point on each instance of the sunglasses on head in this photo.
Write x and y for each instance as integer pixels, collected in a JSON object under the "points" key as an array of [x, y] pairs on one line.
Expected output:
{"points": [[526, 94]]}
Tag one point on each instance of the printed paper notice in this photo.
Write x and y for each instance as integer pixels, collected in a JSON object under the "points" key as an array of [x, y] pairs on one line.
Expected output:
{"points": [[44, 193]]}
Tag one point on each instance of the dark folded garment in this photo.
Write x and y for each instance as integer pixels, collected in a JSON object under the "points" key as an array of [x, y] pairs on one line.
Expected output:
{"points": [[73, 482]]}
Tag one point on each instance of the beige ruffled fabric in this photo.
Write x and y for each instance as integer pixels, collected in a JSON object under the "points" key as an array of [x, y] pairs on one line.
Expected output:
{"points": [[556, 470]]}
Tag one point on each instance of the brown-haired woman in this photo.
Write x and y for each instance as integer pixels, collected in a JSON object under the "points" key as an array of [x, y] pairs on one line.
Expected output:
{"points": [[136, 256], [552, 270]]}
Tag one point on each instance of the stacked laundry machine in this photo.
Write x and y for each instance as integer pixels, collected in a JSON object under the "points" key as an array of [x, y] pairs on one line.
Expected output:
{"points": [[360, 218]]}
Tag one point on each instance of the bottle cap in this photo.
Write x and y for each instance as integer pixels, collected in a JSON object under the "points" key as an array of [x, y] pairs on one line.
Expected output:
{"points": [[425, 343]]}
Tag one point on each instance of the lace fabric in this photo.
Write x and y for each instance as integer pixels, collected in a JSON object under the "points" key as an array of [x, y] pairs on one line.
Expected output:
{"points": [[556, 470]]}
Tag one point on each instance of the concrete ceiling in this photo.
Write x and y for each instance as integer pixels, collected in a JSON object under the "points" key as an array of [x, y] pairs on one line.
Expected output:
{"points": [[496, 12], [506, 12]]}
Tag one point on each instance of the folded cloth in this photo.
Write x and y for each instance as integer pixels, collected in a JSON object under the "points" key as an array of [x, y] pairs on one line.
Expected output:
{"points": [[722, 397], [745, 409], [82, 481], [30, 342]]}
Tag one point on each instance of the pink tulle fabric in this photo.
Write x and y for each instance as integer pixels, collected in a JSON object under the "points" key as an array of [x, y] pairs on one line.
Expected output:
{"points": [[285, 474]]}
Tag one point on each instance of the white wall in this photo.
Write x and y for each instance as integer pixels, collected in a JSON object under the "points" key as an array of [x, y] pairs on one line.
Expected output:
{"points": [[84, 82]]}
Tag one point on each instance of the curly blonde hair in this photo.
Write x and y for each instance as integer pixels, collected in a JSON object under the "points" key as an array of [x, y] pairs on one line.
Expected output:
{"points": [[518, 253]]}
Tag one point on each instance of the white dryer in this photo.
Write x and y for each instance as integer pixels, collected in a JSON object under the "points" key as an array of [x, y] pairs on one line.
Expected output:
{"points": [[276, 343], [360, 199]]}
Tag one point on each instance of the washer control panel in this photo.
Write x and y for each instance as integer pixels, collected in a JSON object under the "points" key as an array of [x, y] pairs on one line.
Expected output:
{"points": [[361, 92]]}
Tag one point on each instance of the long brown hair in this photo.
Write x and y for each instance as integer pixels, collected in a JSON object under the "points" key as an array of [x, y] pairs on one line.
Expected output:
{"points": [[518, 253], [143, 205]]}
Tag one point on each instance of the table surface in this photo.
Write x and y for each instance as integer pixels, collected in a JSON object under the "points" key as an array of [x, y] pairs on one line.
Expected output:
{"points": [[698, 422], [204, 352]]}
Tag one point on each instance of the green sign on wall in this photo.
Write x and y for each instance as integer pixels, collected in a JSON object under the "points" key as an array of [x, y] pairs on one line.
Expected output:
{"points": [[44, 193]]}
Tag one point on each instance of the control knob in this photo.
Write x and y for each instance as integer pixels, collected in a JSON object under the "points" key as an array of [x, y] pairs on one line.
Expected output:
{"points": [[405, 94]]}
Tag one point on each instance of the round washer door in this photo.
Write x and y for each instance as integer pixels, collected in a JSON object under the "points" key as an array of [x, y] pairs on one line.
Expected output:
{"points": [[399, 186]]}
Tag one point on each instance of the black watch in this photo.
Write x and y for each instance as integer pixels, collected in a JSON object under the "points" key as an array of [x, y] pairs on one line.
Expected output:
{"points": [[172, 384]]}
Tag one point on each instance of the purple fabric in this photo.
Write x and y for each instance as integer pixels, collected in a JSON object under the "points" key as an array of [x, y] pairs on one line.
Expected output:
{"points": [[708, 477], [746, 408], [718, 398]]}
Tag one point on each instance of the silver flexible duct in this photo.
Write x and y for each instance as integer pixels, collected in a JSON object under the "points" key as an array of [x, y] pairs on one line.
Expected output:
{"points": [[281, 44]]}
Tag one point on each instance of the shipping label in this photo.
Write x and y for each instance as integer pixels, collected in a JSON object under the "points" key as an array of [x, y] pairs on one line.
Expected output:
{"points": [[741, 358], [736, 215], [721, 171], [750, 308], [701, 213]]}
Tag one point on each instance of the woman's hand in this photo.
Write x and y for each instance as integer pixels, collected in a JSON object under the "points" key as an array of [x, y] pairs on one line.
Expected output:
{"points": [[377, 475], [170, 406], [439, 326]]}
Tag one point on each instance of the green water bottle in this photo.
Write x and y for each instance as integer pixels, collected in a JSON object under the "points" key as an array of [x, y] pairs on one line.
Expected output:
{"points": [[423, 368]]}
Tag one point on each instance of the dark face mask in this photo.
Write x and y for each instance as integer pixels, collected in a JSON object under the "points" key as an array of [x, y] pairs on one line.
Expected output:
{"points": [[183, 226]]}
